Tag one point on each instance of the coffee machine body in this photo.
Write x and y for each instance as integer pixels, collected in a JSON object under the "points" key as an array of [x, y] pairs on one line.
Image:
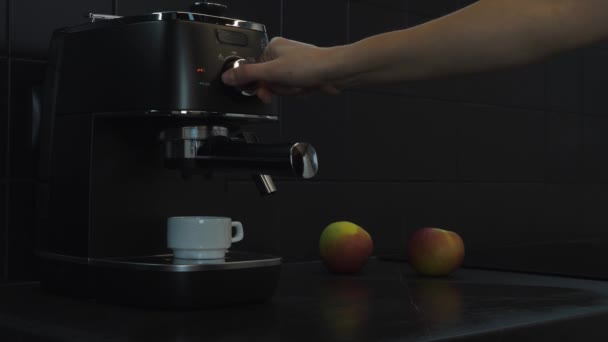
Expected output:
{"points": [[113, 170]]}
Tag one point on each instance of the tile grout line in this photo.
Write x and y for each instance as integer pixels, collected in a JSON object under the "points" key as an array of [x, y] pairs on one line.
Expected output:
{"points": [[545, 123], [348, 21], [581, 148], [29, 60], [407, 96], [355, 182], [281, 18], [280, 99], [8, 28], [395, 8], [6, 170]]}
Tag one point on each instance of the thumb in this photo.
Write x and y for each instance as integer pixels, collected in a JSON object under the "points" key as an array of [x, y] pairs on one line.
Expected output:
{"points": [[247, 73]]}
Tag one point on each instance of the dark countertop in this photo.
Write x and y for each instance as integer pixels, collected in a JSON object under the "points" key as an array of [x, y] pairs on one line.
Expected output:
{"points": [[386, 302]]}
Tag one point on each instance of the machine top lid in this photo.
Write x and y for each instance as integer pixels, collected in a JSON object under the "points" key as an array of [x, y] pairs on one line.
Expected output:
{"points": [[102, 20]]}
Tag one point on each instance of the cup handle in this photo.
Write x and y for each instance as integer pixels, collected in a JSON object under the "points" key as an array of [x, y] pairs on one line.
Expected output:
{"points": [[239, 231]]}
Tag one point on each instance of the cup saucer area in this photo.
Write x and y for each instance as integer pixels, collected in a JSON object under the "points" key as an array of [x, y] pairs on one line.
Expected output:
{"points": [[162, 281]]}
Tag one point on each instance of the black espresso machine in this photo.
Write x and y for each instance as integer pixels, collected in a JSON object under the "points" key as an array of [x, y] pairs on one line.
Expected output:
{"points": [[134, 110]]}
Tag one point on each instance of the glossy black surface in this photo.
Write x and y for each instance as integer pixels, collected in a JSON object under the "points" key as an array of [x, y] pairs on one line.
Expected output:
{"points": [[176, 66], [63, 222], [165, 282], [21, 263], [162, 282], [27, 79], [387, 302]]}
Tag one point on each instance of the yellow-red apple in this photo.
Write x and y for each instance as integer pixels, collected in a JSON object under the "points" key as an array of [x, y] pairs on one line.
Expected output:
{"points": [[435, 251], [345, 247]]}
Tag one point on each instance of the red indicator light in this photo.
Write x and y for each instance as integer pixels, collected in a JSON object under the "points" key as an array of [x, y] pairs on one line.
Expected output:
{"points": [[200, 70]]}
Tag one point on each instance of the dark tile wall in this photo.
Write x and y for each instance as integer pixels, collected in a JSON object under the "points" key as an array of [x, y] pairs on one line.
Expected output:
{"points": [[4, 94], [3, 216], [33, 22], [595, 76], [134, 7], [26, 84], [3, 29], [563, 86], [514, 160], [3, 126]]}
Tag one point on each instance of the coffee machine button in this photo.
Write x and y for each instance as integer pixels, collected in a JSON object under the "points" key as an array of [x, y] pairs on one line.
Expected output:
{"points": [[234, 62]]}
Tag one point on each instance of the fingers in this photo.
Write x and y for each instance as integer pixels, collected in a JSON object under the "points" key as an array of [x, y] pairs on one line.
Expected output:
{"points": [[330, 89], [245, 74], [265, 95], [266, 91]]}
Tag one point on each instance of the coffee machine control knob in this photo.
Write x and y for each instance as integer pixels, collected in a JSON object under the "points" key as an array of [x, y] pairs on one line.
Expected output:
{"points": [[236, 62]]}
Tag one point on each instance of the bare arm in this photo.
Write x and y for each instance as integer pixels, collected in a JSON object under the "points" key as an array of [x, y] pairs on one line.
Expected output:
{"points": [[487, 35]]}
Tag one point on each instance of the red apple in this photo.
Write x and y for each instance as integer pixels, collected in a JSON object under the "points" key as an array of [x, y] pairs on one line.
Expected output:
{"points": [[435, 251], [345, 247]]}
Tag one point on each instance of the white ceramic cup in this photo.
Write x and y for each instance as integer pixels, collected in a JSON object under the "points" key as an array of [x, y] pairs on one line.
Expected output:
{"points": [[202, 237]]}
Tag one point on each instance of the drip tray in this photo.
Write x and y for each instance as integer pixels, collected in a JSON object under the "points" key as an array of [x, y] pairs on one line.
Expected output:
{"points": [[161, 281]]}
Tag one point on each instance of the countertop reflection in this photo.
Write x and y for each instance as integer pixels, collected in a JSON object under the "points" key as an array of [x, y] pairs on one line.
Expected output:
{"points": [[386, 302]]}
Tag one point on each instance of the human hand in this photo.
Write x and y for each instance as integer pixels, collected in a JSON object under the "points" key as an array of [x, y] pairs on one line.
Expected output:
{"points": [[286, 67]]}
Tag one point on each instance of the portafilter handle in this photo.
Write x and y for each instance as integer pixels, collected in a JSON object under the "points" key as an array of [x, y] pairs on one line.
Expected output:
{"points": [[203, 149], [291, 160]]}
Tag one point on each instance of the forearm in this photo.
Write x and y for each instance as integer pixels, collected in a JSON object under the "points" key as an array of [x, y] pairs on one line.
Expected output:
{"points": [[487, 35]]}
